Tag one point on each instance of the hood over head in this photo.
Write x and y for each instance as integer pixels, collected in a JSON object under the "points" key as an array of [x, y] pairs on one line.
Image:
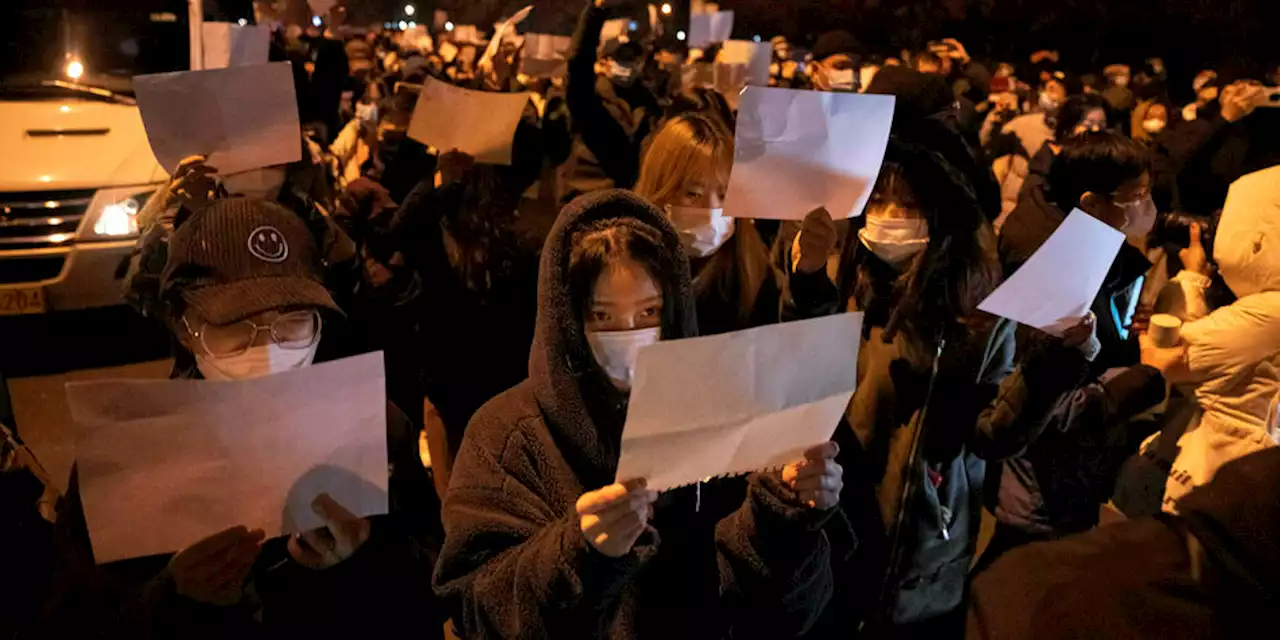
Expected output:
{"points": [[584, 411], [1247, 243]]}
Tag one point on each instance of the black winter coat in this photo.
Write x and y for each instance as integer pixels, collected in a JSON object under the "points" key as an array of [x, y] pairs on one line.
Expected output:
{"points": [[515, 562]]}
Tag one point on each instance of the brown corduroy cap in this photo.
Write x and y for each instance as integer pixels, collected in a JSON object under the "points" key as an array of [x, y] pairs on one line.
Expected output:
{"points": [[240, 257]]}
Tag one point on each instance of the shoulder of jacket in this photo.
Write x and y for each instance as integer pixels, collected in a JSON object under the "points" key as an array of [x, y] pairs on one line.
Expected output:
{"points": [[506, 424]]}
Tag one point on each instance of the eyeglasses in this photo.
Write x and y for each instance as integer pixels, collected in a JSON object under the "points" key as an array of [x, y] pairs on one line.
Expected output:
{"points": [[294, 330], [1134, 198]]}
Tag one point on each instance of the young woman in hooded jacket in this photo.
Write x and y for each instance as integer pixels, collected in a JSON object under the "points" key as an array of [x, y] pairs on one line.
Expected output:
{"points": [[937, 394], [541, 542]]}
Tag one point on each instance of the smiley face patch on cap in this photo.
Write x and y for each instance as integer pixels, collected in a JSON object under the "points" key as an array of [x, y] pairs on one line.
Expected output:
{"points": [[268, 244]]}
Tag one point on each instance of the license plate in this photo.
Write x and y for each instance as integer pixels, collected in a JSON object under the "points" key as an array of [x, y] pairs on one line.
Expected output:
{"points": [[15, 302]]}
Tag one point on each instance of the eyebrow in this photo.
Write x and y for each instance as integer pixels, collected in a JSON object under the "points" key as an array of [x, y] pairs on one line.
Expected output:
{"points": [[651, 300]]}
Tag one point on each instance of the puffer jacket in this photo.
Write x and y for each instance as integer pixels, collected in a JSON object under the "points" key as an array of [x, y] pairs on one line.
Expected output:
{"points": [[729, 558], [1234, 352]]}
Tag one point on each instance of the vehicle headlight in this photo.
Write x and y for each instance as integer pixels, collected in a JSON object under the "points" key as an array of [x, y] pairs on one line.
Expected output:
{"points": [[113, 213]]}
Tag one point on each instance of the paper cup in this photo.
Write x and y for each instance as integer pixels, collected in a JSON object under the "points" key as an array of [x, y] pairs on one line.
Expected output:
{"points": [[1164, 330]]}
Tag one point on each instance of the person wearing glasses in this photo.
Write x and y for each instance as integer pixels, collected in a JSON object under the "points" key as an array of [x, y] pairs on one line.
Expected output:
{"points": [[242, 293]]}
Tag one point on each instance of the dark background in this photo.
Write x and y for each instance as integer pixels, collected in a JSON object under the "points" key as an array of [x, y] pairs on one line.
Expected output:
{"points": [[1091, 33]]}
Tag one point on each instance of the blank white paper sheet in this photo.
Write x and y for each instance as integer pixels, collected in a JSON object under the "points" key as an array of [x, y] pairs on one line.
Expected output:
{"points": [[795, 151], [165, 463], [239, 118], [479, 123], [1057, 284], [738, 402]]}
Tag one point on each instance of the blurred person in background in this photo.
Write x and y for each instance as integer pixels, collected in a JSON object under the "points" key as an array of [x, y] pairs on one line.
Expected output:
{"points": [[1229, 138], [611, 113], [1117, 92], [835, 62], [457, 235], [1020, 172]]}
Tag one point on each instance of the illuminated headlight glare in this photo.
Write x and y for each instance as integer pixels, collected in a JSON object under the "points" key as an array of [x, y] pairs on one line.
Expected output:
{"points": [[113, 213], [118, 219]]}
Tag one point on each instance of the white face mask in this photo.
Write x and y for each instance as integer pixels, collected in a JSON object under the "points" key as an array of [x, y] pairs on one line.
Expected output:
{"points": [[1140, 218], [895, 240], [1153, 125], [256, 362], [367, 112], [616, 352], [840, 79], [702, 231], [1048, 102]]}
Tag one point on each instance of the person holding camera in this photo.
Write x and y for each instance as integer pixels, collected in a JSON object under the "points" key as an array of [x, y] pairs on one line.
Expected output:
{"points": [[1229, 359]]}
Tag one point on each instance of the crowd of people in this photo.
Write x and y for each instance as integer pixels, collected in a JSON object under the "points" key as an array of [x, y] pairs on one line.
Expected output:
{"points": [[1132, 482]]}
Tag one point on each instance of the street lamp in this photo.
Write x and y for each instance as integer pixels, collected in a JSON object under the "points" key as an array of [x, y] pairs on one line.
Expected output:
{"points": [[666, 8], [448, 25], [409, 9], [75, 69], [680, 35]]}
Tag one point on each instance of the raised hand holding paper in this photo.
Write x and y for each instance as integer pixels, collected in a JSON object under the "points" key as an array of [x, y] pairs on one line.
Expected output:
{"points": [[164, 463], [1057, 284], [741, 63], [231, 45], [796, 151], [738, 402], [239, 118], [614, 29], [545, 56], [500, 33], [710, 28], [479, 123]]}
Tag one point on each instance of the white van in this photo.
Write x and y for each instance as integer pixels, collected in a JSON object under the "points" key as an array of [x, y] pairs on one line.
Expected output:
{"points": [[75, 165]]}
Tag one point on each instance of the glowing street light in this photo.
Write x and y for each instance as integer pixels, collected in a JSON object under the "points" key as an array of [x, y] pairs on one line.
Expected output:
{"points": [[448, 25], [666, 8], [243, 22], [409, 9], [316, 21], [680, 35], [403, 25], [75, 69]]}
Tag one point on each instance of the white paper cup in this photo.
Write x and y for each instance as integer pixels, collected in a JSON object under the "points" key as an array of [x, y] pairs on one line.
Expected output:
{"points": [[1164, 330]]}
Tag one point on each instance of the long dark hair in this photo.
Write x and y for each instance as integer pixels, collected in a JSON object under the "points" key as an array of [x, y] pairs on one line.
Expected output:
{"points": [[937, 295], [479, 224], [607, 242]]}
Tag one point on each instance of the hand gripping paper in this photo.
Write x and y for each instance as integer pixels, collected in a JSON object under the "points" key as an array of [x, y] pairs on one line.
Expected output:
{"points": [[738, 402]]}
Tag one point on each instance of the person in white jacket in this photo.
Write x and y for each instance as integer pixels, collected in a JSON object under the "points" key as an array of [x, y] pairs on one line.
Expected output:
{"points": [[1230, 357]]}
